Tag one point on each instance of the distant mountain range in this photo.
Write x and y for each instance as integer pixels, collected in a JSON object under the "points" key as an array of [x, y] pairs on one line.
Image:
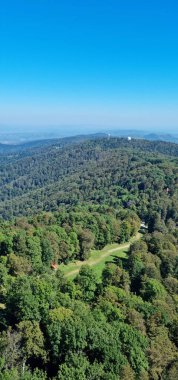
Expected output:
{"points": [[23, 138], [152, 136], [60, 142]]}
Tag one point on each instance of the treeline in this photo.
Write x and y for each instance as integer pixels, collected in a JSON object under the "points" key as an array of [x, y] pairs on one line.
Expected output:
{"points": [[114, 172], [123, 326]]}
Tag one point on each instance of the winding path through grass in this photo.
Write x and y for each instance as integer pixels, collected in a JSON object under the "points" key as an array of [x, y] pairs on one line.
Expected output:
{"points": [[98, 258]]}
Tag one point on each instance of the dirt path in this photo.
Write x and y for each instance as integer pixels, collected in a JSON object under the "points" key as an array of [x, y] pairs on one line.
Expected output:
{"points": [[103, 254]]}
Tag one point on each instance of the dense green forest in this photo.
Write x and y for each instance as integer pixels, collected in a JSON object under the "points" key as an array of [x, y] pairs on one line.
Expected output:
{"points": [[57, 203], [114, 172]]}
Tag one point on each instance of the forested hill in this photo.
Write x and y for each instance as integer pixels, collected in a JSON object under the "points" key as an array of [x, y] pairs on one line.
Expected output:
{"points": [[116, 323], [28, 148], [134, 174]]}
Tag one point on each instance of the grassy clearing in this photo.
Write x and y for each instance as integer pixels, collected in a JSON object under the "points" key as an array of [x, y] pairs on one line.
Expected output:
{"points": [[98, 258], [112, 258]]}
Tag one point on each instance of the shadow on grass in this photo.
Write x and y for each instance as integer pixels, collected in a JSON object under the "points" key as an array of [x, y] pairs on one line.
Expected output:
{"points": [[117, 260]]}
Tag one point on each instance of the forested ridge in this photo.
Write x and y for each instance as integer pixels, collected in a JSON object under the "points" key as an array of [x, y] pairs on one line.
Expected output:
{"points": [[57, 204], [110, 171]]}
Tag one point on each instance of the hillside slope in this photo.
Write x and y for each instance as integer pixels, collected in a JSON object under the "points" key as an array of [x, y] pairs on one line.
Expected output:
{"points": [[114, 171]]}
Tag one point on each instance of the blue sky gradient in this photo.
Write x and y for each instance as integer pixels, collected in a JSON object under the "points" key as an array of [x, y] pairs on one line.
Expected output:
{"points": [[101, 63]]}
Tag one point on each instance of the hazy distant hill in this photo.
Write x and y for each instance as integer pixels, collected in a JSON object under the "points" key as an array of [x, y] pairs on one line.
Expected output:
{"points": [[153, 136], [14, 136], [27, 147]]}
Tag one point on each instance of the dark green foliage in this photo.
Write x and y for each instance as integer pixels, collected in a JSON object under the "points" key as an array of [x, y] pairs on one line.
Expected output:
{"points": [[114, 172]]}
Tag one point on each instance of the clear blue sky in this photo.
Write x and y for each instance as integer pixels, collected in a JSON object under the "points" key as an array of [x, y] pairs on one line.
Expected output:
{"points": [[100, 63]]}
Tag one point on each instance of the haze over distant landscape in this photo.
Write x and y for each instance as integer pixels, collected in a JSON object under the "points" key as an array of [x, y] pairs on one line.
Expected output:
{"points": [[15, 135]]}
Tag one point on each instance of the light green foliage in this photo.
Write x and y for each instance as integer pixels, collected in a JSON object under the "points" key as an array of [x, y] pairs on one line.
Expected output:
{"points": [[152, 289], [77, 367], [20, 243], [18, 265], [47, 251], [161, 352], [34, 251], [86, 242], [134, 345], [32, 340], [21, 302], [27, 375], [114, 275], [87, 282]]}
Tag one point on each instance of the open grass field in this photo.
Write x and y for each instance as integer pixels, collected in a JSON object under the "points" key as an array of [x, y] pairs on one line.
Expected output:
{"points": [[98, 258]]}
